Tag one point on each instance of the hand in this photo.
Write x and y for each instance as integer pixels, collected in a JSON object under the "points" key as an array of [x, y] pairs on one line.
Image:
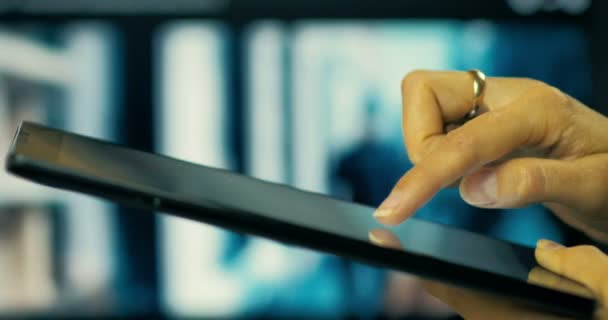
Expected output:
{"points": [[579, 270], [531, 144], [585, 264]]}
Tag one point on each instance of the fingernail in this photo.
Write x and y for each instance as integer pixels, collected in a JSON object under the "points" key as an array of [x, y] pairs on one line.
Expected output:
{"points": [[483, 189], [548, 244], [372, 237], [381, 213], [386, 208]]}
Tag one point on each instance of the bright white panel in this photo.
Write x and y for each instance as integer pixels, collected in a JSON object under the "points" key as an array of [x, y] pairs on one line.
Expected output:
{"points": [[336, 67], [90, 110], [191, 127], [266, 152], [32, 60], [265, 136]]}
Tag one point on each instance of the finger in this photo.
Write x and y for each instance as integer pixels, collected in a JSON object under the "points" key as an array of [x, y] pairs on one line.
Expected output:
{"points": [[475, 305], [584, 264], [469, 304], [430, 100], [384, 238], [463, 150], [531, 120], [433, 99], [523, 181], [546, 278]]}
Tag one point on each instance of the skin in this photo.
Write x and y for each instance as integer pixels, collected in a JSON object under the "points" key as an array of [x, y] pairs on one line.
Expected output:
{"points": [[531, 144], [586, 265], [580, 270]]}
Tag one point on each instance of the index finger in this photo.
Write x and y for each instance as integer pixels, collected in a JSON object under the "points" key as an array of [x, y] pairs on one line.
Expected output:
{"points": [[480, 141]]}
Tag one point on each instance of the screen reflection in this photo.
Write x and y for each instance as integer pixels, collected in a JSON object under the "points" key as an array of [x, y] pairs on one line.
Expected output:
{"points": [[537, 275], [242, 198]]}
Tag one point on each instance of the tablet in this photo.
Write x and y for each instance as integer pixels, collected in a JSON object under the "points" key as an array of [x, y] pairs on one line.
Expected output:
{"points": [[237, 202]]}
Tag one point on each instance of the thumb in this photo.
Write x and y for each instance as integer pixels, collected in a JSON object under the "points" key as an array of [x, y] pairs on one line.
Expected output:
{"points": [[584, 264], [523, 181]]}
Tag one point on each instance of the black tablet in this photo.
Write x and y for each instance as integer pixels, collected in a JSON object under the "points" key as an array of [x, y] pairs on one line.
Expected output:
{"points": [[237, 202]]}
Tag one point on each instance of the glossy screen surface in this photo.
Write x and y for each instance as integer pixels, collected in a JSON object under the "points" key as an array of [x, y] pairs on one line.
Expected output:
{"points": [[214, 188]]}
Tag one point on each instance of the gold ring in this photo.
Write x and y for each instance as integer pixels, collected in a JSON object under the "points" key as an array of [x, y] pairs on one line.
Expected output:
{"points": [[479, 85]]}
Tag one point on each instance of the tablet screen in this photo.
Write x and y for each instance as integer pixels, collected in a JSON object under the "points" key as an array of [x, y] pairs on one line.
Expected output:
{"points": [[241, 196]]}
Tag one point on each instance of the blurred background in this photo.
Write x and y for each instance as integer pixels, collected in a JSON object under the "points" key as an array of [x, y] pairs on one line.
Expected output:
{"points": [[299, 92]]}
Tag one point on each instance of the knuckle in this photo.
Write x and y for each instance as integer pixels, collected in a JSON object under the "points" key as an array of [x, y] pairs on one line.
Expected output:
{"points": [[548, 97], [457, 138], [585, 252], [547, 110], [414, 78], [496, 117], [531, 82], [412, 149], [531, 181], [463, 143], [414, 156], [419, 148]]}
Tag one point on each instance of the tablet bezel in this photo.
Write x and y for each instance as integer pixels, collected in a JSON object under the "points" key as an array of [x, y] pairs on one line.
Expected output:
{"points": [[37, 167]]}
